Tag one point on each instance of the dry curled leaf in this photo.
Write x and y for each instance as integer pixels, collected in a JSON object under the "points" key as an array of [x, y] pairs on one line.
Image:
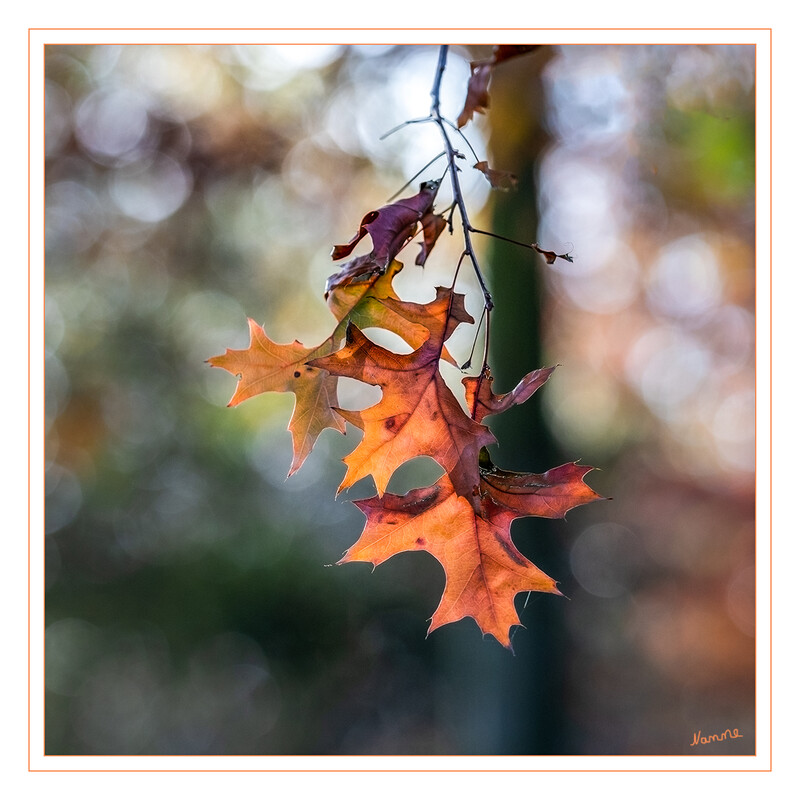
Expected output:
{"points": [[550, 255], [391, 226], [477, 92], [482, 401], [477, 99], [499, 179]]}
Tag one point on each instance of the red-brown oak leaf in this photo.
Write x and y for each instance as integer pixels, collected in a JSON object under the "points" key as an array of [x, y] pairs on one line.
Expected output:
{"points": [[265, 366], [549, 495], [417, 415], [390, 228], [483, 568], [527, 494], [482, 401]]}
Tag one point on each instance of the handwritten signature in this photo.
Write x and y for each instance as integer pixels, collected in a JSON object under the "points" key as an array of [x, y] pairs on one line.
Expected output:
{"points": [[716, 737]]}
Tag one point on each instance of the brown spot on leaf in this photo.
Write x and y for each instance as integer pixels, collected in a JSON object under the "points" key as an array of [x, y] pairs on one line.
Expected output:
{"points": [[511, 551], [297, 374]]}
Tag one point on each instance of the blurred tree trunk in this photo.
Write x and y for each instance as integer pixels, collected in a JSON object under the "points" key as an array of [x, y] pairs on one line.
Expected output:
{"points": [[536, 683]]}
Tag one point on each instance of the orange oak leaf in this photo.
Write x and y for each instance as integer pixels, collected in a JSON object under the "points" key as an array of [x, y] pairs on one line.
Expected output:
{"points": [[417, 415], [390, 227], [483, 568], [265, 366]]}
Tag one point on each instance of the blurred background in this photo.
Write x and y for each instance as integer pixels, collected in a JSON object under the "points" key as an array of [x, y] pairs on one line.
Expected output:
{"points": [[189, 608]]}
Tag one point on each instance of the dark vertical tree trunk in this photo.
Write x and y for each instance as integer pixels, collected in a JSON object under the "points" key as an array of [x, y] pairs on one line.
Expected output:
{"points": [[535, 688]]}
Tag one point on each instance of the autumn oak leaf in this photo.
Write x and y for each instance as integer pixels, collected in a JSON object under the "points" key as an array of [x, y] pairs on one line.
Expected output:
{"points": [[358, 299], [482, 401], [483, 568], [362, 301], [390, 227], [417, 415], [526, 494], [265, 366]]}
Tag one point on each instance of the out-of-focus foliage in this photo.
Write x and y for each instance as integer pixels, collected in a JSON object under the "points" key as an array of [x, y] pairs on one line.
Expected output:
{"points": [[187, 608], [648, 181]]}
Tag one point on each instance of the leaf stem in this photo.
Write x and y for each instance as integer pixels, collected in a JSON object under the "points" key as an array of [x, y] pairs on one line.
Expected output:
{"points": [[468, 363], [414, 177], [504, 238], [550, 255], [485, 367]]}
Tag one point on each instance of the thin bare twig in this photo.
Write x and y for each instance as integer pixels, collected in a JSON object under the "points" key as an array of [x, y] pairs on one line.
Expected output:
{"points": [[549, 255], [461, 134], [401, 126], [458, 196]]}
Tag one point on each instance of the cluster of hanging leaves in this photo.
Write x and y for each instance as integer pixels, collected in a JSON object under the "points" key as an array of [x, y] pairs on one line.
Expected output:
{"points": [[464, 518]]}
